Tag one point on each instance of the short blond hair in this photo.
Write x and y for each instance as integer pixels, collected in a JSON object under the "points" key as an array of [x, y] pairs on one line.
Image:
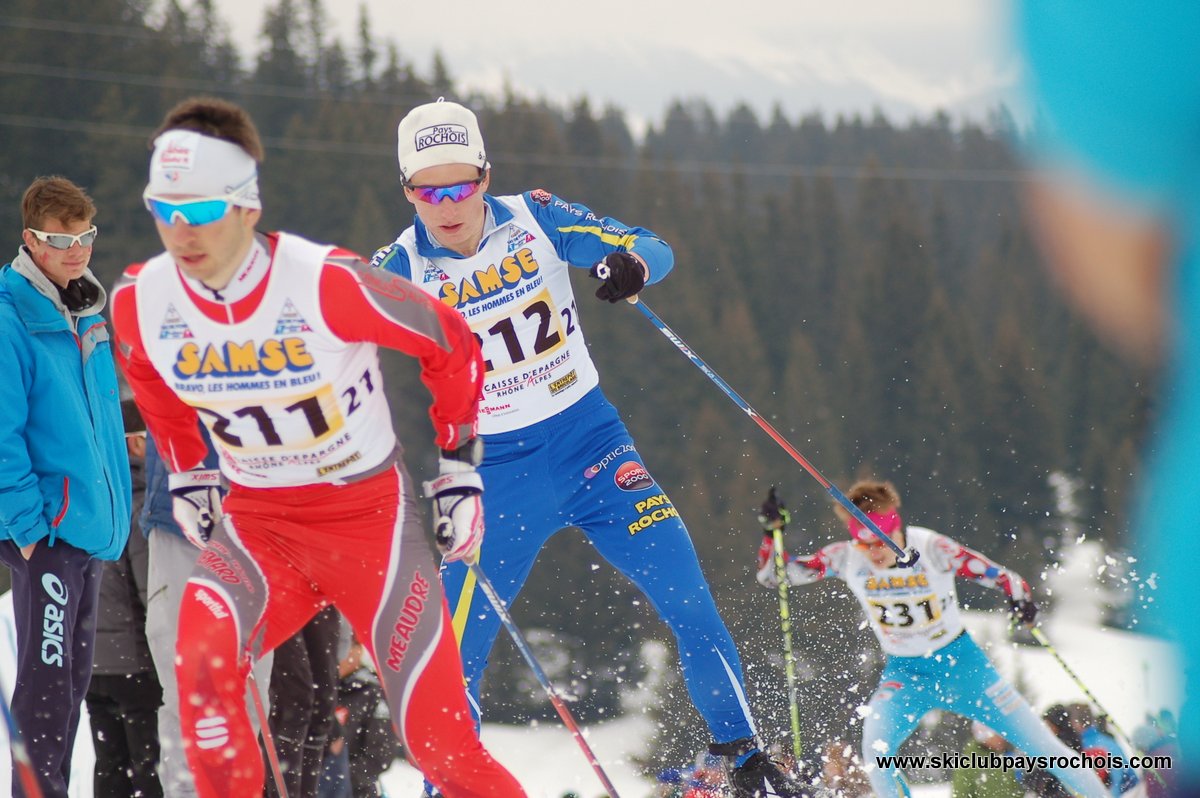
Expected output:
{"points": [[55, 197], [870, 496]]}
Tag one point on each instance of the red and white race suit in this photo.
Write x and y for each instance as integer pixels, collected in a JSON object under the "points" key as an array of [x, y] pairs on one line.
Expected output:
{"points": [[282, 368], [912, 611]]}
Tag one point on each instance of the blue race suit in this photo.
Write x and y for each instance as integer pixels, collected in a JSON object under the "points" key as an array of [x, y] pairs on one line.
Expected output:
{"points": [[555, 452]]}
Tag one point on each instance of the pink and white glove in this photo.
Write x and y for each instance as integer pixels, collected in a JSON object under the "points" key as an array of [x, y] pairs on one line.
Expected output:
{"points": [[767, 575], [457, 495], [196, 503]]}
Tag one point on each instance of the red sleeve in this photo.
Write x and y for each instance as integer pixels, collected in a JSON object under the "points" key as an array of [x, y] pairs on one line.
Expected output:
{"points": [[970, 564], [816, 564], [172, 422], [364, 304]]}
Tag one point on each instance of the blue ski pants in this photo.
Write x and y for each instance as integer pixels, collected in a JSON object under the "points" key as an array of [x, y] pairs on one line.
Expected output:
{"points": [[580, 468], [956, 678]]}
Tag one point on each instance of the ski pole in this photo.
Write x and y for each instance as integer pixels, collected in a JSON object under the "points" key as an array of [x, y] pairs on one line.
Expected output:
{"points": [[268, 739], [785, 622], [774, 517], [22, 764], [1040, 636], [905, 559], [555, 699]]}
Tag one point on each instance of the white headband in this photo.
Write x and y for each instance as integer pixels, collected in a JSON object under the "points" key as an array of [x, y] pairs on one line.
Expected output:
{"points": [[188, 163]]}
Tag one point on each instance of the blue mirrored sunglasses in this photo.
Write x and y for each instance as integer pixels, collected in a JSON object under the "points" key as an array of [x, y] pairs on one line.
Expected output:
{"points": [[456, 192], [193, 212]]}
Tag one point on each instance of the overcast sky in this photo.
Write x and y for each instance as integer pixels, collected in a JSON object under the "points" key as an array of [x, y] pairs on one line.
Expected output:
{"points": [[905, 58]]}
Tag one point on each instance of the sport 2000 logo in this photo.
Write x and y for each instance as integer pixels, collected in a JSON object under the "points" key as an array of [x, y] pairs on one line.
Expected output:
{"points": [[632, 475]]}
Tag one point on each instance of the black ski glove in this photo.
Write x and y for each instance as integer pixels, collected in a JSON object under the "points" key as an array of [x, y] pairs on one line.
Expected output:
{"points": [[1024, 610], [773, 514], [622, 274]]}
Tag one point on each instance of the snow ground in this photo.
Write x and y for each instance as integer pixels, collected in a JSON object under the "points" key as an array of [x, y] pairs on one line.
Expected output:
{"points": [[548, 761], [1129, 673]]}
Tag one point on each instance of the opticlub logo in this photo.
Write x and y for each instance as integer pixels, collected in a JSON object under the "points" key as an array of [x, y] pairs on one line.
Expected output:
{"points": [[511, 270], [436, 135], [235, 360], [593, 470], [632, 475]]}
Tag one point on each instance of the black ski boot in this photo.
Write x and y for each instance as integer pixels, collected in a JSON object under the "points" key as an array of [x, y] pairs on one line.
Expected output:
{"points": [[758, 776]]}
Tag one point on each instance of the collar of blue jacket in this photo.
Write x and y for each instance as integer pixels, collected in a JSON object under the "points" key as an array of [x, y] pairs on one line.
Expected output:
{"points": [[495, 216], [30, 295]]}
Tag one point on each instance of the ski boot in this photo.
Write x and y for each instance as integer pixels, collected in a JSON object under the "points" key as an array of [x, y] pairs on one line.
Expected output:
{"points": [[758, 776]]}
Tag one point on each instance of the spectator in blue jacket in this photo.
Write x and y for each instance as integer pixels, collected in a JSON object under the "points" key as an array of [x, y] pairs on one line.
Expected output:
{"points": [[1097, 741], [64, 473]]}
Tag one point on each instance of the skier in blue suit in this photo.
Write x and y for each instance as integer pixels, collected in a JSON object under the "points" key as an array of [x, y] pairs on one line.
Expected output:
{"points": [[556, 453], [932, 661]]}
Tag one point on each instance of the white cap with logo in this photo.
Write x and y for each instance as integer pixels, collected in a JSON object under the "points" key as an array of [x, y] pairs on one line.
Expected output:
{"points": [[438, 133]]}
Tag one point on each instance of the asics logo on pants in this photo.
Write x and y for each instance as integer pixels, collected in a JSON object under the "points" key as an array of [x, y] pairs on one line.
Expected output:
{"points": [[53, 618], [212, 732]]}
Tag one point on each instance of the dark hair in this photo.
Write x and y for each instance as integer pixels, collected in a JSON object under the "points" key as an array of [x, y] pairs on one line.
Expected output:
{"points": [[131, 417], [1058, 716], [55, 197], [217, 118]]}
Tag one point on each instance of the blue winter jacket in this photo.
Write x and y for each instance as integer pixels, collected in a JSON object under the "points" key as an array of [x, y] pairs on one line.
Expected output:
{"points": [[64, 471], [1097, 744], [157, 510]]}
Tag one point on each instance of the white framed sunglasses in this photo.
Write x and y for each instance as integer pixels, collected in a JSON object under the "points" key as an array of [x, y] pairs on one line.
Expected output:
{"points": [[66, 240], [196, 211]]}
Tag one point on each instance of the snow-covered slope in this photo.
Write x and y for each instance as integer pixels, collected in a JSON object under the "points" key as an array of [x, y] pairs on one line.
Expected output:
{"points": [[1129, 673]]}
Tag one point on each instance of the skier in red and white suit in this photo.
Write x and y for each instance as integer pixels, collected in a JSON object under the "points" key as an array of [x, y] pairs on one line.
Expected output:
{"points": [[272, 341]]}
